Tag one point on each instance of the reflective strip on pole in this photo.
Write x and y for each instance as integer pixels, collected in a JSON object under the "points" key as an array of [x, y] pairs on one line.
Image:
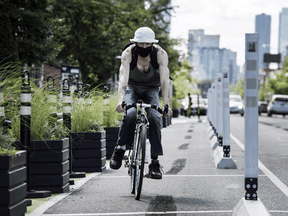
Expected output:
{"points": [[66, 99], [209, 107], [25, 110], [251, 115], [213, 105], [25, 98], [2, 112], [226, 112], [52, 98], [67, 109], [1, 97]]}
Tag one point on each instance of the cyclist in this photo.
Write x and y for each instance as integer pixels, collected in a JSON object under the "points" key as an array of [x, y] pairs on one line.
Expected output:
{"points": [[144, 68]]}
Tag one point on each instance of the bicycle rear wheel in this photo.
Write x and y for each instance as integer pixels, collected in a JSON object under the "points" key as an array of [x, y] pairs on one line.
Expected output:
{"points": [[140, 162]]}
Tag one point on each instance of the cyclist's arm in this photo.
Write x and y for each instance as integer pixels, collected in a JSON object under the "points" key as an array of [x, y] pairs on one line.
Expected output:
{"points": [[164, 74], [124, 74]]}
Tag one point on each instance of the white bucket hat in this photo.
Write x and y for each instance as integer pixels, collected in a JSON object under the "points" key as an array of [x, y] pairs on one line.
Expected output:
{"points": [[144, 35]]}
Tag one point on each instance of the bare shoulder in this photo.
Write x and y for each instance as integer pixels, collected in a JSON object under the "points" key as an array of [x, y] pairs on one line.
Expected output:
{"points": [[126, 56], [162, 55]]}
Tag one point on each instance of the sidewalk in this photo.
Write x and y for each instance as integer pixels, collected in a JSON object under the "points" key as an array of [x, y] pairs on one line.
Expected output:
{"points": [[191, 184]]}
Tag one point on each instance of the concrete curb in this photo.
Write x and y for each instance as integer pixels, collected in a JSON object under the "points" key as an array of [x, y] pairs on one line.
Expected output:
{"points": [[214, 142], [250, 208], [223, 162]]}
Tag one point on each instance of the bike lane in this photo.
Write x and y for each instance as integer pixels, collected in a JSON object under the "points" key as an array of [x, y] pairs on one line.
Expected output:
{"points": [[191, 184]]}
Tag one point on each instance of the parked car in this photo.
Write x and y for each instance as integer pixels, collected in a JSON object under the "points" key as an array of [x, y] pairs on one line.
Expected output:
{"points": [[236, 104], [278, 105], [202, 104], [262, 107]]}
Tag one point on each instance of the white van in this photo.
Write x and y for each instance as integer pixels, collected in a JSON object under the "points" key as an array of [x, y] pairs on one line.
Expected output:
{"points": [[278, 105]]}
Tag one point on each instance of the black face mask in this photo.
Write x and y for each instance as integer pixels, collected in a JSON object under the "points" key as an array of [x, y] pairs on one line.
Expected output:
{"points": [[143, 52]]}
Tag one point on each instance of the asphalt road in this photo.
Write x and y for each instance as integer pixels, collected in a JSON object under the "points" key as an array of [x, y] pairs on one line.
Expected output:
{"points": [[191, 184]]}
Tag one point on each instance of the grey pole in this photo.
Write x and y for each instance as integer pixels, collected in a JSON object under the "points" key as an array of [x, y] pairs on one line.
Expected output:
{"points": [[226, 112], [25, 133], [52, 100], [251, 116], [66, 103], [2, 110], [251, 203]]}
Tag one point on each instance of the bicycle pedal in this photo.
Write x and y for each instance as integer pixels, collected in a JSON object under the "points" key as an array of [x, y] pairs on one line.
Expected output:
{"points": [[147, 175], [126, 164]]}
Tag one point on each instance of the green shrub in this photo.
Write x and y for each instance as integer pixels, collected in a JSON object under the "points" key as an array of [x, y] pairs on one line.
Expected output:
{"points": [[175, 104], [6, 144], [111, 118], [87, 117]]}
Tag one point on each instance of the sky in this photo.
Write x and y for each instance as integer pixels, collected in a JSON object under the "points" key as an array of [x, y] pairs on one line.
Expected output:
{"points": [[229, 19]]}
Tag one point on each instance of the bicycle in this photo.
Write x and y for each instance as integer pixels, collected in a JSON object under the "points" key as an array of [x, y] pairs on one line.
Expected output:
{"points": [[136, 159]]}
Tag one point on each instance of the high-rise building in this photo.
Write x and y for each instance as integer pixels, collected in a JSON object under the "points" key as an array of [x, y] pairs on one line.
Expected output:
{"points": [[263, 28], [207, 59], [283, 33]]}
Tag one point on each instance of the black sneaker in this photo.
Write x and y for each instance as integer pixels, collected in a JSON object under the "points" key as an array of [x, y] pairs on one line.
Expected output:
{"points": [[116, 158], [154, 170]]}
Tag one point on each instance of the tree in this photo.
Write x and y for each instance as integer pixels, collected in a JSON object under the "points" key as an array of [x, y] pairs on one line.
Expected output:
{"points": [[183, 82], [239, 87], [8, 45], [280, 84], [92, 33], [29, 28]]}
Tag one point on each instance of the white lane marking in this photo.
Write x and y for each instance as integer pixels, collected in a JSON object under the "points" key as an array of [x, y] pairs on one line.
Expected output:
{"points": [[177, 176], [144, 213], [264, 169]]}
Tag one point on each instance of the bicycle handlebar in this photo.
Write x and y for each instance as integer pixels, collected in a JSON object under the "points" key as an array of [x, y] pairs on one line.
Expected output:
{"points": [[143, 105]]}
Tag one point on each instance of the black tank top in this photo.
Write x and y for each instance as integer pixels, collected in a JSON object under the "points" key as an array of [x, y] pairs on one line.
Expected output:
{"points": [[151, 78]]}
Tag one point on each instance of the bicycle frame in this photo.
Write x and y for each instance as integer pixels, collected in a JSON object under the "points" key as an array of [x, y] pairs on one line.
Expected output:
{"points": [[133, 162]]}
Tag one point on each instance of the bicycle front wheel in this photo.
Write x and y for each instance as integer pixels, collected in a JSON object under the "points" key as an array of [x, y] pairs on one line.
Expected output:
{"points": [[140, 162]]}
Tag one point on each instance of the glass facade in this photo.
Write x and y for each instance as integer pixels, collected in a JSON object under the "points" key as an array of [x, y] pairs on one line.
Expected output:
{"points": [[263, 28], [283, 33], [207, 58]]}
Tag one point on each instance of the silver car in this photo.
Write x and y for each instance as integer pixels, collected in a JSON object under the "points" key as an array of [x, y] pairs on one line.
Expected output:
{"points": [[236, 104], [278, 105]]}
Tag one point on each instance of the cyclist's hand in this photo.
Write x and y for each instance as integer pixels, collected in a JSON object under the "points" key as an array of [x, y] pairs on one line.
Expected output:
{"points": [[167, 112], [119, 108]]}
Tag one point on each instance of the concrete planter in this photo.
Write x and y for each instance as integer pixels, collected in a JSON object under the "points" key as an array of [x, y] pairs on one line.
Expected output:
{"points": [[111, 140], [50, 165], [13, 188], [88, 151]]}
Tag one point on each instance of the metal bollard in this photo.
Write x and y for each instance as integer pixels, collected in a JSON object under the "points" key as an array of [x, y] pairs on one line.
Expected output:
{"points": [[226, 112], [213, 108], [221, 154], [189, 110], [25, 122], [198, 108], [220, 109], [66, 103], [251, 201], [2, 111], [25, 133], [209, 106], [251, 116], [52, 100]]}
